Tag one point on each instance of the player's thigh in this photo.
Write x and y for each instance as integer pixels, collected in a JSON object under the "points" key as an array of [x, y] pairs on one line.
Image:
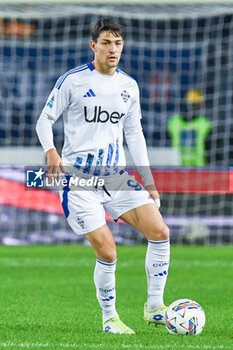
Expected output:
{"points": [[148, 220], [128, 195], [103, 243]]}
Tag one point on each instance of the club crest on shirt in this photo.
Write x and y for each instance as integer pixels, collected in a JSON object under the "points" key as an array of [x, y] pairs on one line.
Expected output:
{"points": [[125, 95]]}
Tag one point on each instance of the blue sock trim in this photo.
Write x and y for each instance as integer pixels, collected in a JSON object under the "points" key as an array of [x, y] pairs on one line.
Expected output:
{"points": [[105, 262], [158, 242]]}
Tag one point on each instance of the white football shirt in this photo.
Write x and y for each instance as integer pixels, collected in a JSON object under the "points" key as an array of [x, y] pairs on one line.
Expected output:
{"points": [[96, 108]]}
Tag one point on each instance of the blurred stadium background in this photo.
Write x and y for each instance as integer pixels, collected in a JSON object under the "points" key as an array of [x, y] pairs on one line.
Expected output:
{"points": [[172, 48]]}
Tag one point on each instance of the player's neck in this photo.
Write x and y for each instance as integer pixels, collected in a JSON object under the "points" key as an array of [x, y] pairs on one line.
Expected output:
{"points": [[103, 69]]}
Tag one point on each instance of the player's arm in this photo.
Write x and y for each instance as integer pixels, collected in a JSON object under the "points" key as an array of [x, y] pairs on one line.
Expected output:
{"points": [[138, 150], [45, 135], [54, 161], [137, 146], [57, 102]]}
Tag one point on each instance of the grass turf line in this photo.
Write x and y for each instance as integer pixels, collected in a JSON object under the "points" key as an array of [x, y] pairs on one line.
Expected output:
{"points": [[48, 298]]}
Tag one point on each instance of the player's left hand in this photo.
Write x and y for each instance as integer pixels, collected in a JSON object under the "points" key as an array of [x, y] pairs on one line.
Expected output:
{"points": [[154, 194]]}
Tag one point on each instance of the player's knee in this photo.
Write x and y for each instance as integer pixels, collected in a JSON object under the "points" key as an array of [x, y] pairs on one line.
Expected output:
{"points": [[108, 256], [166, 232], [106, 252], [161, 233]]}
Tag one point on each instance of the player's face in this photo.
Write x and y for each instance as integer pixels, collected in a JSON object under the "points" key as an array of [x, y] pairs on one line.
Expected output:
{"points": [[107, 51]]}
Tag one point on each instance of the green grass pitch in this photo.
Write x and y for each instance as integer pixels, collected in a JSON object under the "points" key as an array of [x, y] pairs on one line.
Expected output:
{"points": [[47, 298]]}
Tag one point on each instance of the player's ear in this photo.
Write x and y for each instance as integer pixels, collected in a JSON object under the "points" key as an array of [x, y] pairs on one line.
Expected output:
{"points": [[92, 45]]}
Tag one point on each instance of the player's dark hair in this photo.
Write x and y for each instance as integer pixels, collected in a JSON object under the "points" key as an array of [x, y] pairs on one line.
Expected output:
{"points": [[109, 25]]}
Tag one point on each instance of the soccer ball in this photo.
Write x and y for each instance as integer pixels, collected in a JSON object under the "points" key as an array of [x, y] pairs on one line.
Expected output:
{"points": [[185, 316]]}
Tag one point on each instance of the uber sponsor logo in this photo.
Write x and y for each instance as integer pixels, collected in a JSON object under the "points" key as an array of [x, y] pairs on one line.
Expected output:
{"points": [[102, 116]]}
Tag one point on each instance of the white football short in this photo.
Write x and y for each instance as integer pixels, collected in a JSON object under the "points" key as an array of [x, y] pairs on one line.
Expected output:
{"points": [[85, 209]]}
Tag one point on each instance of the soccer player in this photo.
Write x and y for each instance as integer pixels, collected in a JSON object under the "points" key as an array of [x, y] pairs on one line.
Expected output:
{"points": [[99, 103]]}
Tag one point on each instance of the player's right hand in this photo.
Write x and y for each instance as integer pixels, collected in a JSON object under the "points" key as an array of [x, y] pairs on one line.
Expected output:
{"points": [[53, 161]]}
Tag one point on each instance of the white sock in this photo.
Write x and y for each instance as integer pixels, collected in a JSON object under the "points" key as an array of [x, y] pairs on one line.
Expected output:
{"points": [[157, 263], [104, 278]]}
